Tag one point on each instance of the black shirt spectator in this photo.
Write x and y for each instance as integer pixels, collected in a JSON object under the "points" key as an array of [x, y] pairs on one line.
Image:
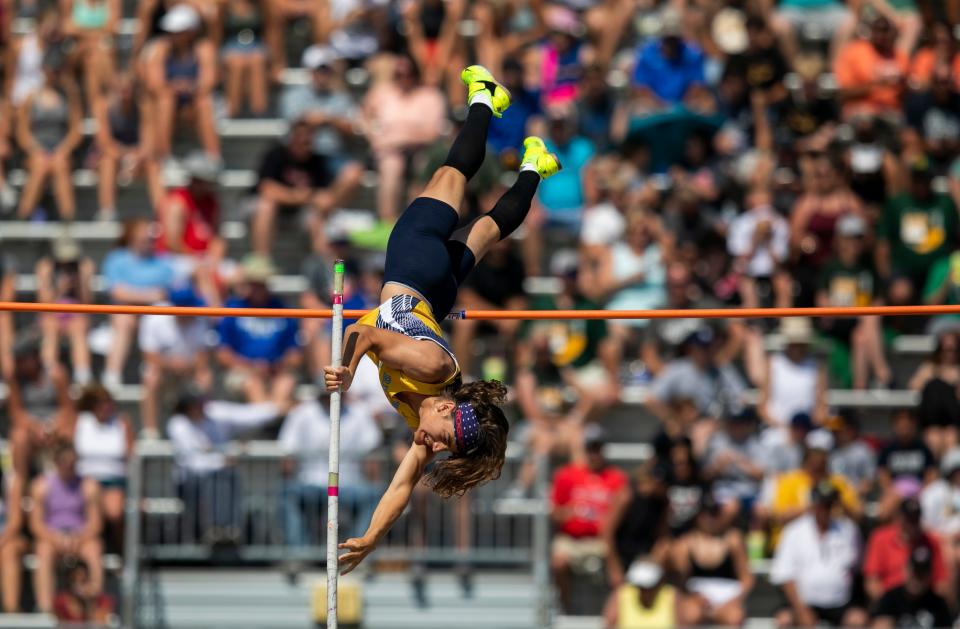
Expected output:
{"points": [[292, 176], [638, 520], [914, 604], [761, 65], [285, 167], [907, 460], [935, 115], [685, 487], [907, 457], [901, 608]]}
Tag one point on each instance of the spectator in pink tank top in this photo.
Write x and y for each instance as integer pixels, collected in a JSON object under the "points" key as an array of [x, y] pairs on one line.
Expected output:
{"points": [[66, 522]]}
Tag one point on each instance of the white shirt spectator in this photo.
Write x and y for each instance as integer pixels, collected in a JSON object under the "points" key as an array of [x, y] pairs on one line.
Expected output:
{"points": [[940, 502], [173, 337], [793, 387], [305, 434], [198, 446], [820, 565], [101, 447], [603, 224], [366, 393], [765, 257]]}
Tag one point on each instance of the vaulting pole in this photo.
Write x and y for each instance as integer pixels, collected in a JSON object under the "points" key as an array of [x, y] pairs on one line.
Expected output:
{"points": [[333, 482]]}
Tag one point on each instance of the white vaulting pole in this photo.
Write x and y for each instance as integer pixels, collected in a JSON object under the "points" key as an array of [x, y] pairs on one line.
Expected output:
{"points": [[333, 482]]}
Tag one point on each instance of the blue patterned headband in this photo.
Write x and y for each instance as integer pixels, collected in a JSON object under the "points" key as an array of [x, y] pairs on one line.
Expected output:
{"points": [[467, 428]]}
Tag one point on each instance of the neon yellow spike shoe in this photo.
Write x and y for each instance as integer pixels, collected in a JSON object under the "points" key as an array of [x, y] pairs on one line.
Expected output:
{"points": [[536, 157], [482, 87]]}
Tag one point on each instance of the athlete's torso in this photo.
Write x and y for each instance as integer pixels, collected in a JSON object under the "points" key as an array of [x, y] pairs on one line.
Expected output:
{"points": [[412, 317]]}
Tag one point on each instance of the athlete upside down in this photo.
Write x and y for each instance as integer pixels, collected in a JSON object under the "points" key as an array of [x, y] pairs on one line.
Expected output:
{"points": [[427, 260]]}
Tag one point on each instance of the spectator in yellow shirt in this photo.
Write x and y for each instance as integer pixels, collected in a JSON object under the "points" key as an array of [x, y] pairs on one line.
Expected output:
{"points": [[791, 497]]}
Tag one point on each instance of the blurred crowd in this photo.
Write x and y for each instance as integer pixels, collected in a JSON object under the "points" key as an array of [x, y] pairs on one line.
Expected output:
{"points": [[739, 153]]}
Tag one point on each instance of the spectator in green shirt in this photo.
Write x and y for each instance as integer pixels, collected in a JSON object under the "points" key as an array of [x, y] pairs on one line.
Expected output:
{"points": [[847, 280], [917, 229], [943, 288]]}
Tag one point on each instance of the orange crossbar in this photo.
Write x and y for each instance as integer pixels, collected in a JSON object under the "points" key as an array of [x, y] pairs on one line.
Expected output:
{"points": [[549, 315]]}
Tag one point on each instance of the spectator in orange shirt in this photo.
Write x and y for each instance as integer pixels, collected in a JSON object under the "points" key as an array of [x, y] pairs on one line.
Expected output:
{"points": [[871, 72], [941, 49]]}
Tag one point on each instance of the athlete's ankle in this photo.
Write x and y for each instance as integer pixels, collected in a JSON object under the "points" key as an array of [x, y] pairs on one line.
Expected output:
{"points": [[484, 98]]}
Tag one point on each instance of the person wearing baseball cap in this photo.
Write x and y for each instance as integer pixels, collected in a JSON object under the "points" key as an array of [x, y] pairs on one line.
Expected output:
{"points": [[906, 465], [796, 379], [888, 552], [261, 359], [328, 108], [715, 388], [852, 457], [644, 600], [815, 562], [918, 227], [668, 66], [846, 280], [734, 460], [793, 490], [915, 603]]}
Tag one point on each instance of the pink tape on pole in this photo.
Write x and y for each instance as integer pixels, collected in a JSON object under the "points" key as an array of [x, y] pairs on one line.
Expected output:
{"points": [[333, 491]]}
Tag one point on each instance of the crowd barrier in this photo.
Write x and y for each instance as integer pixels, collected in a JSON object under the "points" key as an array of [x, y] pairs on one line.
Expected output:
{"points": [[249, 512]]}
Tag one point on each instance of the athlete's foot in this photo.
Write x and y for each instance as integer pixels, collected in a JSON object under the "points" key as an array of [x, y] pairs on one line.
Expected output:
{"points": [[483, 88], [538, 159]]}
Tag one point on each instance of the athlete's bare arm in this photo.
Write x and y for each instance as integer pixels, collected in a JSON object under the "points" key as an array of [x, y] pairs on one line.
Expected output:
{"points": [[391, 506], [426, 362]]}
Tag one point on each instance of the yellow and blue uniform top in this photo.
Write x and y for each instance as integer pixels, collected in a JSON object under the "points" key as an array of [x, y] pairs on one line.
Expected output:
{"points": [[412, 317]]}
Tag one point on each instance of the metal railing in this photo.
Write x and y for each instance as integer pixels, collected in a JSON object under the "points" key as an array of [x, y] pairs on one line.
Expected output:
{"points": [[255, 513]]}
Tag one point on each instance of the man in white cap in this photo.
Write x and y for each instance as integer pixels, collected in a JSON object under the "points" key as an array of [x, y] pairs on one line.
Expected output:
{"points": [[324, 103], [181, 74]]}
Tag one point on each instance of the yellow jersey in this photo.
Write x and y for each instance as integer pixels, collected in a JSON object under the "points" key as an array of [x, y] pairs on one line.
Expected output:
{"points": [[792, 491], [632, 616], [412, 317]]}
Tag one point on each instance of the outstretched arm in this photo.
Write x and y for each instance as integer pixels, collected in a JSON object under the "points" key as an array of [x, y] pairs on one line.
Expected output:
{"points": [[392, 504], [421, 360]]}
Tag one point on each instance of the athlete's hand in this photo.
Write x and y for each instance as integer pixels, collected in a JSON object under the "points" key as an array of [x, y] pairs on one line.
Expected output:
{"points": [[358, 547], [335, 377]]}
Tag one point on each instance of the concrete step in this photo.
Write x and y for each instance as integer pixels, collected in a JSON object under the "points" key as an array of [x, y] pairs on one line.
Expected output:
{"points": [[265, 598]]}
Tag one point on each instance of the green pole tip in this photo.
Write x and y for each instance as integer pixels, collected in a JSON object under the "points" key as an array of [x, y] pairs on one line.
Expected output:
{"points": [[338, 266]]}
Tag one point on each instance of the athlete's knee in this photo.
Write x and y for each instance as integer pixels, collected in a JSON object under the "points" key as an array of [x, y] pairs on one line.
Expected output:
{"points": [[512, 208], [447, 185]]}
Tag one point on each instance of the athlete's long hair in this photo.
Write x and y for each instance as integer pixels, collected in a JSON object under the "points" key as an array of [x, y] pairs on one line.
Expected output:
{"points": [[458, 474]]}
